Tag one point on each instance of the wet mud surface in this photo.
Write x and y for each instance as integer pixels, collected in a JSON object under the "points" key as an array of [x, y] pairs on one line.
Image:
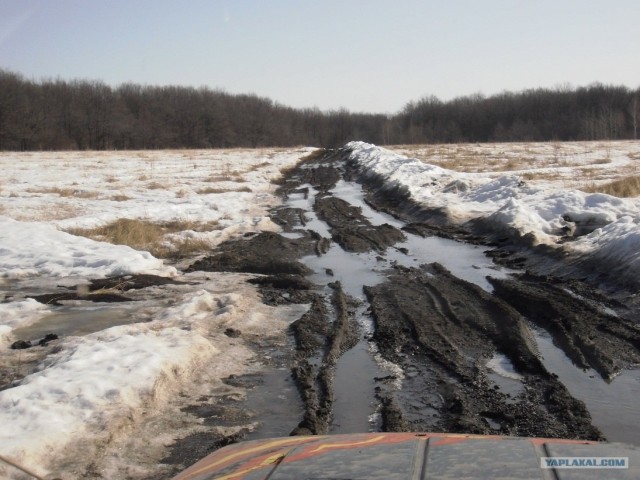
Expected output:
{"points": [[586, 328], [442, 331], [453, 356], [107, 290], [351, 230]]}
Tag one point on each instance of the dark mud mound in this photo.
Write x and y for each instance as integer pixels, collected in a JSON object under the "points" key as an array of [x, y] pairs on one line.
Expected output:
{"points": [[351, 230], [107, 290], [288, 218], [450, 232], [284, 288], [442, 330], [56, 298], [131, 282], [266, 253], [316, 170], [589, 336]]}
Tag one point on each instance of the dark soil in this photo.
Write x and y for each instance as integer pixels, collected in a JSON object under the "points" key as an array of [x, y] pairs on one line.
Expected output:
{"points": [[131, 282], [442, 330], [108, 290], [589, 336], [316, 170], [352, 231], [267, 253], [56, 298]]}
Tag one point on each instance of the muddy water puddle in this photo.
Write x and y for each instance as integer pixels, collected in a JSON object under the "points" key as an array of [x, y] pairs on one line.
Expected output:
{"points": [[77, 321], [502, 373], [355, 404], [276, 398], [613, 405], [353, 390]]}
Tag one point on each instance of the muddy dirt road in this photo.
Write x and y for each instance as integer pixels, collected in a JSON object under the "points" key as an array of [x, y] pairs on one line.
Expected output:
{"points": [[414, 326]]}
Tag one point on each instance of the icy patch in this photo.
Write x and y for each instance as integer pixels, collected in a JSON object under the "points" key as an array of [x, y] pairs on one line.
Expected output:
{"points": [[19, 314], [502, 366]]}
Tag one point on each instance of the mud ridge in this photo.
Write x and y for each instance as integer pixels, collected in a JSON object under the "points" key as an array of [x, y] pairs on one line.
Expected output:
{"points": [[266, 253], [591, 337], [442, 330], [315, 170], [351, 230]]}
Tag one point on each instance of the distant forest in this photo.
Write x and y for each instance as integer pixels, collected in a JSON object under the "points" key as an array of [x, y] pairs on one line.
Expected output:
{"points": [[78, 114]]}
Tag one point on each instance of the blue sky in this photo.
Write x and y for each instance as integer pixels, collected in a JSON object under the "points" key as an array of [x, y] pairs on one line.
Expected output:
{"points": [[371, 56]]}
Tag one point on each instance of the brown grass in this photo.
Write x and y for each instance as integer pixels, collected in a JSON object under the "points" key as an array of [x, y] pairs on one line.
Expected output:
{"points": [[601, 161], [258, 166], [156, 186], [65, 192], [226, 178], [207, 190], [138, 234], [149, 236], [188, 248], [624, 188], [316, 154], [120, 197]]}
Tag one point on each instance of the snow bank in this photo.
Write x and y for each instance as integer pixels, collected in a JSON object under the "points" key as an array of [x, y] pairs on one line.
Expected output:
{"points": [[93, 390], [107, 375], [508, 205], [98, 381], [32, 248]]}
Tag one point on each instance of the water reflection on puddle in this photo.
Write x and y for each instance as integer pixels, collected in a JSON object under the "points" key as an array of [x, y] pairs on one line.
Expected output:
{"points": [[354, 381], [500, 370], [76, 321], [614, 406], [356, 269]]}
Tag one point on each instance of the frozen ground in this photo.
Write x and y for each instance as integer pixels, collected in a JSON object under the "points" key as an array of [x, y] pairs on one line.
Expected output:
{"points": [[94, 390]]}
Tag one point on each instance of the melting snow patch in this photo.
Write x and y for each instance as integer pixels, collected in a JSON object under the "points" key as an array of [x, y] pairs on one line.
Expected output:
{"points": [[507, 205], [94, 383], [30, 249]]}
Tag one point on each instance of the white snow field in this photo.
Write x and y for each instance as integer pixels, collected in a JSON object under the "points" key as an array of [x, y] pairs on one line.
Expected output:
{"points": [[87, 401], [537, 204], [107, 399]]}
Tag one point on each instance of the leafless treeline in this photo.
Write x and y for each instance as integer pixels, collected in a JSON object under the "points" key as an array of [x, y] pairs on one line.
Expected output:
{"points": [[69, 115]]}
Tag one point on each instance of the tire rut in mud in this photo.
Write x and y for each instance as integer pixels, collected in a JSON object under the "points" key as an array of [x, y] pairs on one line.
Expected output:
{"points": [[319, 344], [439, 329], [590, 336], [442, 331]]}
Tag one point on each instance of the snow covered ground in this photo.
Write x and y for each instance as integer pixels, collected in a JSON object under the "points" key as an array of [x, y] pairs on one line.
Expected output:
{"points": [[509, 200], [81, 401]]}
